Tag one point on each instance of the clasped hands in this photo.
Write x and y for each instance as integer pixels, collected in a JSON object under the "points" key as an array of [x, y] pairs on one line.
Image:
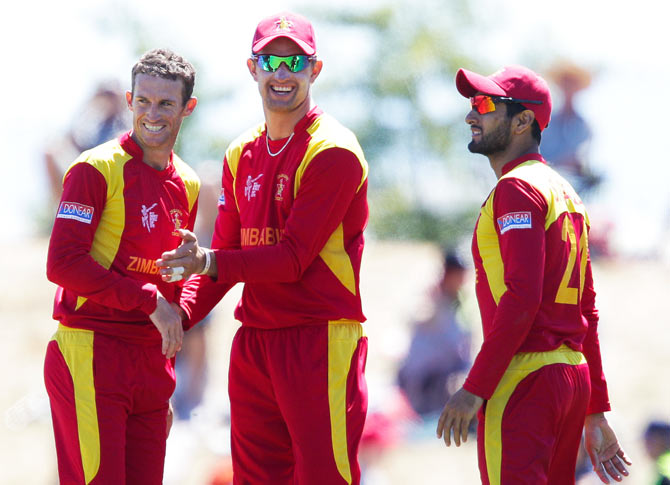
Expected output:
{"points": [[186, 260], [175, 265]]}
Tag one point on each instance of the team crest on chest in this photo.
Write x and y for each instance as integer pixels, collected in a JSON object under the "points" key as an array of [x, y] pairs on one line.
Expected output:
{"points": [[282, 182], [177, 217], [149, 217], [252, 187]]}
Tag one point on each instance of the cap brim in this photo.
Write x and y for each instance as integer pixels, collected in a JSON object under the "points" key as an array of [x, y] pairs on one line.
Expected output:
{"points": [[470, 83], [258, 46]]}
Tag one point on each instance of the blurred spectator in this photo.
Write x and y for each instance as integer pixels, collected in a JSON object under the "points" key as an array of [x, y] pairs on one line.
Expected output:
{"points": [[565, 142], [657, 445], [222, 474], [101, 118], [440, 346], [565, 145]]}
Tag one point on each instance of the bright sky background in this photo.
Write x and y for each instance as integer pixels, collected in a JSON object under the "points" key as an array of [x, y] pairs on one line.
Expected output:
{"points": [[54, 53]]}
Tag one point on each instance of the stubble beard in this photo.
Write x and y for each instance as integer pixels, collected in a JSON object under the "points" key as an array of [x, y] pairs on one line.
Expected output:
{"points": [[494, 142]]}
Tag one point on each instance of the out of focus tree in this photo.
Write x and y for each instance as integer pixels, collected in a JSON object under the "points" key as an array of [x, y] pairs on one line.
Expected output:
{"points": [[399, 83]]}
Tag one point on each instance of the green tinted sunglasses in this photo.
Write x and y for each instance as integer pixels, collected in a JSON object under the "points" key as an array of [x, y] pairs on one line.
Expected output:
{"points": [[271, 63]]}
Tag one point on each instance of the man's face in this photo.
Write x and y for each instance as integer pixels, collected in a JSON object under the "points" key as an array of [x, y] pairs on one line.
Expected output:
{"points": [[283, 90], [158, 111], [490, 132]]}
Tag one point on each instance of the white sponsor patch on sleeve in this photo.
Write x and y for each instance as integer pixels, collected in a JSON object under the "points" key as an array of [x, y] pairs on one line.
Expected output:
{"points": [[74, 210], [514, 220]]}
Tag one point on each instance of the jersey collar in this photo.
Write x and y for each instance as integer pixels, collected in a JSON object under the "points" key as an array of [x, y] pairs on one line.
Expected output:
{"points": [[518, 161]]}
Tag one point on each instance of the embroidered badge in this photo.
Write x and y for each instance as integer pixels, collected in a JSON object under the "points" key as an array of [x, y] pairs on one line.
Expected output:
{"points": [[176, 216], [282, 180]]}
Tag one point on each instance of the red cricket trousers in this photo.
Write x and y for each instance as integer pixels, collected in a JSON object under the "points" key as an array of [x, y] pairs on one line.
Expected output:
{"points": [[530, 430], [298, 401], [109, 401]]}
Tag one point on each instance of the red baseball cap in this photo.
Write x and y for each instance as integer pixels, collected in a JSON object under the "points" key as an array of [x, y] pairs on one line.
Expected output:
{"points": [[516, 82], [285, 24]]}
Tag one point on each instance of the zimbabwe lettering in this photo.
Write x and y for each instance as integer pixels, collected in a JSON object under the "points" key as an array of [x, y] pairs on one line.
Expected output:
{"points": [[267, 236]]}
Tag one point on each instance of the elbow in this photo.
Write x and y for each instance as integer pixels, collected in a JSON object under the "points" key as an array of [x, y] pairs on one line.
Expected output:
{"points": [[53, 272]]}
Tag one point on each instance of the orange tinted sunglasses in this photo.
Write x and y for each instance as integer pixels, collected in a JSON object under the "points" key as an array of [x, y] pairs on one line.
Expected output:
{"points": [[486, 104]]}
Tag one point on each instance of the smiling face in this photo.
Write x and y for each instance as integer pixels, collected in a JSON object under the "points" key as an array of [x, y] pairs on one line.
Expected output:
{"points": [[284, 91], [158, 111]]}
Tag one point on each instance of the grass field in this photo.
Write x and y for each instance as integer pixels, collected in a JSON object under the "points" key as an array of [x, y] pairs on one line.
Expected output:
{"points": [[632, 297]]}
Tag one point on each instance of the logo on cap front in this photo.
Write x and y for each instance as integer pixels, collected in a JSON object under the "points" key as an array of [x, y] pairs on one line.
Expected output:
{"points": [[283, 24]]}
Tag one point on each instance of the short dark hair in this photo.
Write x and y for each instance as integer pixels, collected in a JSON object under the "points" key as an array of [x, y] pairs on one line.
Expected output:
{"points": [[166, 64], [516, 108]]}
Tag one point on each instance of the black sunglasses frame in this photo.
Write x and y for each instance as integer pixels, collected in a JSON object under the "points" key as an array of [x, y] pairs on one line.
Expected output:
{"points": [[504, 99]]}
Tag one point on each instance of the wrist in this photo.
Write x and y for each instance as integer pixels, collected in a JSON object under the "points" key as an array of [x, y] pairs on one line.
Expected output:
{"points": [[208, 261]]}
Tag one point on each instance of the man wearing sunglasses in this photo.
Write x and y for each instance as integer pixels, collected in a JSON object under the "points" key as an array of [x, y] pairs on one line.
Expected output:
{"points": [[290, 226], [537, 380]]}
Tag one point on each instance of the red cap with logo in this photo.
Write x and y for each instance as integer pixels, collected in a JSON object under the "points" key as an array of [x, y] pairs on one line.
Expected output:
{"points": [[516, 82], [285, 24]]}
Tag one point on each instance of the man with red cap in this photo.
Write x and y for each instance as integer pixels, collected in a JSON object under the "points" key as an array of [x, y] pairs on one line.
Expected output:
{"points": [[537, 380], [290, 226]]}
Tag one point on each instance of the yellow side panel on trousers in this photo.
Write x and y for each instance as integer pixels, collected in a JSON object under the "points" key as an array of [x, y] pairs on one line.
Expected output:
{"points": [[522, 365], [343, 336], [76, 345]]}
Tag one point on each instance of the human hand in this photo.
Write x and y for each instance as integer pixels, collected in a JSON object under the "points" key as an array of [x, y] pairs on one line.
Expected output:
{"points": [[168, 322], [188, 259], [603, 448], [457, 415]]}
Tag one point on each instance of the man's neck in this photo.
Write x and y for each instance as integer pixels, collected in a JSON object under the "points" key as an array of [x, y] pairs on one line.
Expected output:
{"points": [[500, 159], [280, 124], [158, 159]]}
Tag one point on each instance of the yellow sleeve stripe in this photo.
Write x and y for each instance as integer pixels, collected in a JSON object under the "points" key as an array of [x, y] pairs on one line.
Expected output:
{"points": [[326, 132], [109, 159], [337, 259], [489, 250]]}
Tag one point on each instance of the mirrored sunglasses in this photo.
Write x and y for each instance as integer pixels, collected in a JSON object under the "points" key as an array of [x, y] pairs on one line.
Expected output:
{"points": [[487, 104], [271, 63]]}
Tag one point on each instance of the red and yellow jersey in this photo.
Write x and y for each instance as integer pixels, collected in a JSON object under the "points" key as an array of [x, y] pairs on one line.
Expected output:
{"points": [[117, 215], [290, 226], [534, 283]]}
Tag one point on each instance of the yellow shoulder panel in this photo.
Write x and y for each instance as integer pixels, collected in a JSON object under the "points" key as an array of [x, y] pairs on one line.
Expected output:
{"points": [[190, 178], [558, 193], [109, 159], [326, 132], [234, 150]]}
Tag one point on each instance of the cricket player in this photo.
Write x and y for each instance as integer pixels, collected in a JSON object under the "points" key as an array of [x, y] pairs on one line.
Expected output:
{"points": [[109, 368], [537, 380], [292, 212]]}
